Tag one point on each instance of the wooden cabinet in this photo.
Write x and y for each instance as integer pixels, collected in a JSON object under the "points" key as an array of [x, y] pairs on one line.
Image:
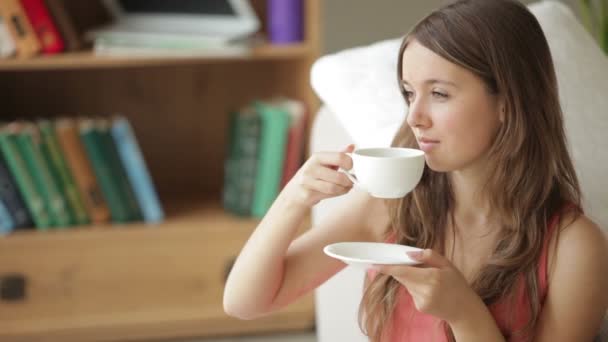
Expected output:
{"points": [[116, 283]]}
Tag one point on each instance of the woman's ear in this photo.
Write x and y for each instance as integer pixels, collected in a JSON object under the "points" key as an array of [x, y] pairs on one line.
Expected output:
{"points": [[501, 110]]}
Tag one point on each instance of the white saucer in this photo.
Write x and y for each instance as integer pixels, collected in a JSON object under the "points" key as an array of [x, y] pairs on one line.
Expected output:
{"points": [[366, 254]]}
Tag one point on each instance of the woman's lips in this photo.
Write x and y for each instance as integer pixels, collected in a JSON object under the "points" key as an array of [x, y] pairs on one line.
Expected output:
{"points": [[427, 144]]}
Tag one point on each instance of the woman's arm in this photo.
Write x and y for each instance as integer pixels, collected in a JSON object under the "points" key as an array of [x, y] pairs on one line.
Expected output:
{"points": [[272, 271], [577, 298]]}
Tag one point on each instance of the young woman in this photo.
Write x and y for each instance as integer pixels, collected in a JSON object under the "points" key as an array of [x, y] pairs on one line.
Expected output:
{"points": [[508, 253]]}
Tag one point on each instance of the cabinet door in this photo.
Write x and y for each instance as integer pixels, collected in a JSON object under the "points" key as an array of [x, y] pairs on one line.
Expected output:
{"points": [[120, 283]]}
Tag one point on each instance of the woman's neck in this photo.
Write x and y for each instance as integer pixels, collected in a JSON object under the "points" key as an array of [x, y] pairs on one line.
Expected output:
{"points": [[471, 203]]}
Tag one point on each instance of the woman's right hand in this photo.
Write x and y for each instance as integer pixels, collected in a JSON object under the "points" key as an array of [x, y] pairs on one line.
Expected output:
{"points": [[319, 177]]}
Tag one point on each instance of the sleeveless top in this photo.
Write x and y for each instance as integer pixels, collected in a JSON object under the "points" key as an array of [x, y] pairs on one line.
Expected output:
{"points": [[510, 314]]}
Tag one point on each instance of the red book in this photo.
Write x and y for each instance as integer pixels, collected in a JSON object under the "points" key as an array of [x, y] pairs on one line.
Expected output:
{"points": [[294, 150], [46, 31]]}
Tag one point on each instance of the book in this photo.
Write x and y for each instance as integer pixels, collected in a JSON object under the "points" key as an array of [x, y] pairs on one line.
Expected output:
{"points": [[28, 143], [294, 150], [6, 221], [21, 30], [25, 182], [242, 161], [137, 172], [110, 40], [65, 25], [229, 190], [7, 43], [275, 123], [79, 165], [117, 169], [42, 23], [52, 153], [97, 154], [11, 197]]}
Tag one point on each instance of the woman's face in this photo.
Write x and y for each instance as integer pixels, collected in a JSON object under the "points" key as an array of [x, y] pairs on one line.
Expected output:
{"points": [[451, 111]]}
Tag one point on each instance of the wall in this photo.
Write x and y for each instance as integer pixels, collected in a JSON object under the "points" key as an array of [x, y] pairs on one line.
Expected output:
{"points": [[349, 23]]}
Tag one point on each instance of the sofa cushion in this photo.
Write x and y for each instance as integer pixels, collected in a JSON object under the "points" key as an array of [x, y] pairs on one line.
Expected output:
{"points": [[360, 86]]}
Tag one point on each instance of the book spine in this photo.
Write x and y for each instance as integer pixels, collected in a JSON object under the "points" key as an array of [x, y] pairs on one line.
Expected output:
{"points": [[20, 28], [229, 191], [275, 123], [65, 25], [54, 201], [80, 167], [10, 196], [16, 164], [58, 167], [136, 170], [101, 167], [7, 43], [295, 141], [119, 175], [46, 31], [249, 143], [6, 221]]}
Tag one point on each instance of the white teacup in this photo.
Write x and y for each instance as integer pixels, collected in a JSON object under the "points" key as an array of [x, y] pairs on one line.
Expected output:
{"points": [[387, 172]]}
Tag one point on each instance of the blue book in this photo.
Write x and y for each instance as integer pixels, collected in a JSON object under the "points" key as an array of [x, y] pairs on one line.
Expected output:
{"points": [[11, 198], [6, 221], [136, 169]]}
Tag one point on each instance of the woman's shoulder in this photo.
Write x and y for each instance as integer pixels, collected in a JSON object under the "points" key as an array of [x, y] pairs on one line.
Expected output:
{"points": [[578, 233], [581, 242], [578, 280]]}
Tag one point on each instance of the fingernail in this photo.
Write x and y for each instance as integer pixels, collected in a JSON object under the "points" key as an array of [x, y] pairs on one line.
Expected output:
{"points": [[414, 254]]}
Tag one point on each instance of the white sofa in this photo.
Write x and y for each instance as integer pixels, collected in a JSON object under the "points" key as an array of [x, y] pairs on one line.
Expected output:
{"points": [[581, 70]]}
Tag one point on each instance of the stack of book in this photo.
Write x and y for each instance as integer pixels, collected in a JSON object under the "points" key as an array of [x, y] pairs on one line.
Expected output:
{"points": [[32, 27], [265, 150], [69, 172]]}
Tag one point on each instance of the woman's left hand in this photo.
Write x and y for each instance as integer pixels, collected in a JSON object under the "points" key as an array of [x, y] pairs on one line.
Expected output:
{"points": [[436, 286]]}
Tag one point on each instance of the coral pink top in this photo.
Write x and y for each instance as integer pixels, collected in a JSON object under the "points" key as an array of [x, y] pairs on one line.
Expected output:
{"points": [[408, 324]]}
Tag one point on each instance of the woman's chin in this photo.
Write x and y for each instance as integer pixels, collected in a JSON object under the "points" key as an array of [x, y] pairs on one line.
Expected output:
{"points": [[437, 165]]}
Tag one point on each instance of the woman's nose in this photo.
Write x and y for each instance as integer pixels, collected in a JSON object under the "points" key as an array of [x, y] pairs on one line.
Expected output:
{"points": [[417, 115]]}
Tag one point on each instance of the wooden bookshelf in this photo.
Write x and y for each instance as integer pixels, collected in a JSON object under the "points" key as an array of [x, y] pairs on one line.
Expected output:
{"points": [[87, 59], [140, 282]]}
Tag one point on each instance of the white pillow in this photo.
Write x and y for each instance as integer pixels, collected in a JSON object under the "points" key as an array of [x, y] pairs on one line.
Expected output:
{"points": [[360, 86], [582, 74]]}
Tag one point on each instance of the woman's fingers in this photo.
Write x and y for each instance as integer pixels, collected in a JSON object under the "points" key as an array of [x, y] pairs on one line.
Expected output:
{"points": [[332, 176], [327, 188], [334, 159]]}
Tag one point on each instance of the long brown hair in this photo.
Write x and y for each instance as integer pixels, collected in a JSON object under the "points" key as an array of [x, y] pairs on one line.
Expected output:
{"points": [[530, 173]]}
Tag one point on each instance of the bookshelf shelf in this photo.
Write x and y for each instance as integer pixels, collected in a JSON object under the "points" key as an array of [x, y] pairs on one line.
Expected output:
{"points": [[87, 59], [189, 216]]}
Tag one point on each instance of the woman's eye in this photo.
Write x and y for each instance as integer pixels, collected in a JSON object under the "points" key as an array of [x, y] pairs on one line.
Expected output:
{"points": [[408, 94], [440, 95]]}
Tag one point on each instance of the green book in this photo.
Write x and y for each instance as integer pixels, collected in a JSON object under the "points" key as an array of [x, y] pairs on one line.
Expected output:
{"points": [[32, 197], [60, 171], [241, 164], [248, 149], [273, 141], [28, 144], [119, 174], [92, 142], [229, 190]]}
